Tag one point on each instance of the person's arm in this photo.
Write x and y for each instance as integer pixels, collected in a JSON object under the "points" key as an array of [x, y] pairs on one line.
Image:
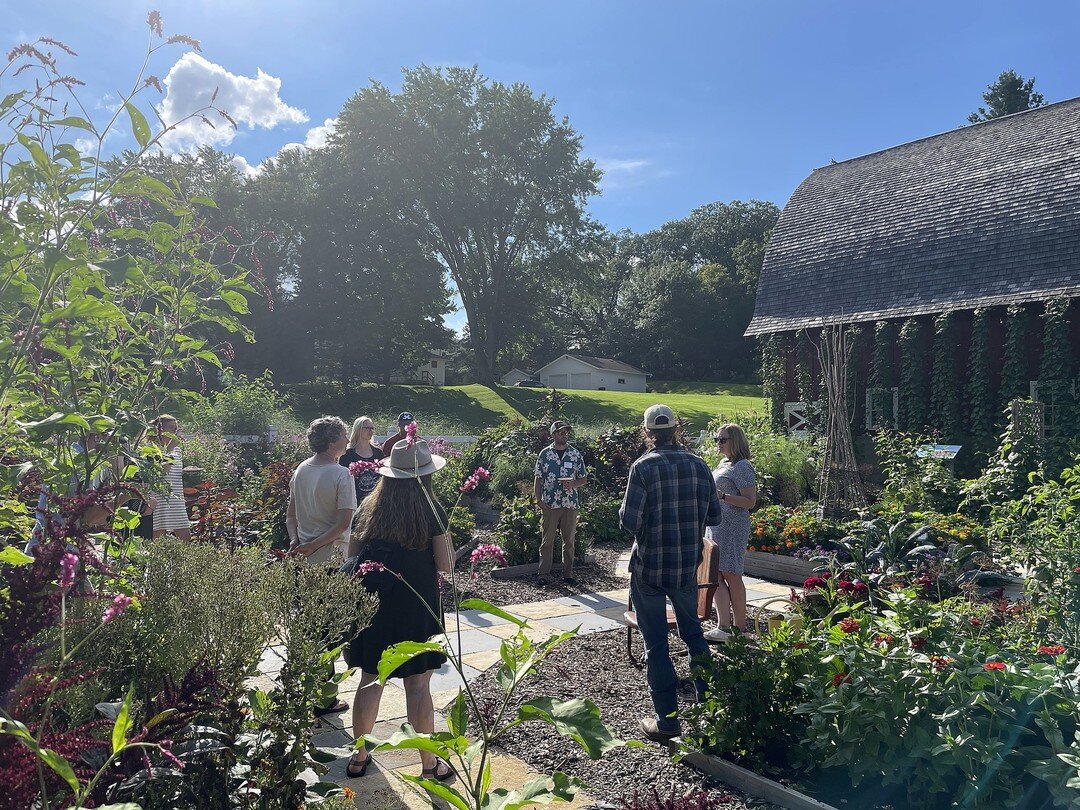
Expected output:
{"points": [[633, 506], [581, 475], [712, 514], [344, 517], [537, 486], [746, 499], [441, 548], [292, 526], [745, 480]]}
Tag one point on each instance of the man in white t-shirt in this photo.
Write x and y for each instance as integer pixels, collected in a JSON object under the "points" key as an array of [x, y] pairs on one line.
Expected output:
{"points": [[322, 497]]}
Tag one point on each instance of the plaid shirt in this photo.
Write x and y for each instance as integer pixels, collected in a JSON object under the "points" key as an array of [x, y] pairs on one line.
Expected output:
{"points": [[670, 498]]}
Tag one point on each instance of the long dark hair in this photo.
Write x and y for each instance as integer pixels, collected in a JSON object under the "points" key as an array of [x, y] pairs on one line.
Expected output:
{"points": [[397, 510]]}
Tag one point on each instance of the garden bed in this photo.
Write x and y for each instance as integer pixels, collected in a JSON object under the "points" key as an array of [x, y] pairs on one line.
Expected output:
{"points": [[595, 666], [599, 575], [777, 567]]}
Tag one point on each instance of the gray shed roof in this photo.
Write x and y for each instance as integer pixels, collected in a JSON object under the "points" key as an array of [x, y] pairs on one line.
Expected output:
{"points": [[983, 215], [603, 363]]}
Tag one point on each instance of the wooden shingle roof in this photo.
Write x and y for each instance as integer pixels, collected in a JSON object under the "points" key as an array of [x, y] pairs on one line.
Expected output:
{"points": [[984, 215]]}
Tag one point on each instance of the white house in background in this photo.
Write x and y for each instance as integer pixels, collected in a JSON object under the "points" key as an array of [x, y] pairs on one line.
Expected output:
{"points": [[592, 373], [516, 375], [431, 372]]}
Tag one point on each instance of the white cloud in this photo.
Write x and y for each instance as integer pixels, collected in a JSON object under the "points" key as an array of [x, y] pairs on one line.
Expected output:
{"points": [[245, 168], [317, 136], [252, 102], [628, 172]]}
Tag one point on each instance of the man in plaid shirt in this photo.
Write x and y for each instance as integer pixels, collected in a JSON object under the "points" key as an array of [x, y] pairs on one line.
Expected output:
{"points": [[670, 499]]}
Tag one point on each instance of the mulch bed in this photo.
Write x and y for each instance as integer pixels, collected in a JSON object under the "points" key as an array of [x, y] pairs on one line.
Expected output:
{"points": [[595, 666], [597, 576]]}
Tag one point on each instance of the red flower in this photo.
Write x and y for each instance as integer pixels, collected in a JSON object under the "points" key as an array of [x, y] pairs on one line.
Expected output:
{"points": [[918, 642], [975, 621], [883, 639], [861, 588], [990, 666], [940, 661], [1052, 649], [850, 625], [827, 575], [839, 678], [813, 582], [845, 586]]}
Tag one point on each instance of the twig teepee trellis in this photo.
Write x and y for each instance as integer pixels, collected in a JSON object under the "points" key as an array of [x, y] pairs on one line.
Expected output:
{"points": [[839, 488]]}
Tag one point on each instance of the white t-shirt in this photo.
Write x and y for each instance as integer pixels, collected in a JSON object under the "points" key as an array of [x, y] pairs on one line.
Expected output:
{"points": [[319, 490]]}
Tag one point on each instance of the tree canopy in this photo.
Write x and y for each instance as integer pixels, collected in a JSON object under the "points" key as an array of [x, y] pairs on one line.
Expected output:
{"points": [[1011, 93]]}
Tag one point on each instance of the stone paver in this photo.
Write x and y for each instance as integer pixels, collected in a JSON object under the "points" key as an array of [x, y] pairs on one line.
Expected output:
{"points": [[541, 610], [588, 623], [474, 640]]}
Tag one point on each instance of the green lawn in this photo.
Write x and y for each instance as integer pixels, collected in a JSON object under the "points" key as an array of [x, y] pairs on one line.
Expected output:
{"points": [[469, 409]]}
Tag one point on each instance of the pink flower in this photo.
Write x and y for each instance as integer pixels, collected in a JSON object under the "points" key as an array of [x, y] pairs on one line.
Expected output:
{"points": [[473, 481], [488, 551], [366, 568], [69, 564], [119, 604], [991, 666], [359, 467], [1052, 649], [410, 433]]}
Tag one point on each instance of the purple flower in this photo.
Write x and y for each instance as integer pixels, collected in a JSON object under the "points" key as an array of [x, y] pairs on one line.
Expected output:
{"points": [[119, 604], [69, 564], [411, 433]]}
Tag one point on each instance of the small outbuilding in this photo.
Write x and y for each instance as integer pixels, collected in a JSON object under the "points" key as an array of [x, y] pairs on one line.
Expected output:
{"points": [[516, 375], [592, 373], [430, 372]]}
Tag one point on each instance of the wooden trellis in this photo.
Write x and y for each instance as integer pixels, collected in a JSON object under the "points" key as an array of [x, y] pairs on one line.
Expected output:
{"points": [[840, 491]]}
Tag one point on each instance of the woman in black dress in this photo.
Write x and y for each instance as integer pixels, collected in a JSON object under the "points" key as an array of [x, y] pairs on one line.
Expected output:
{"points": [[398, 527]]}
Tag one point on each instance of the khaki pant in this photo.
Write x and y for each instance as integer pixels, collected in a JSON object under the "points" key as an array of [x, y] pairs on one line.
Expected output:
{"points": [[565, 521]]}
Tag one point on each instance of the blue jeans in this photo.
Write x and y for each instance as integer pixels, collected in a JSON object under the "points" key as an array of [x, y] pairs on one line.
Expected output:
{"points": [[651, 606]]}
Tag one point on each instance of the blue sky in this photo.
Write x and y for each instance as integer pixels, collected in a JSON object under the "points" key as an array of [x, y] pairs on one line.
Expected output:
{"points": [[682, 103]]}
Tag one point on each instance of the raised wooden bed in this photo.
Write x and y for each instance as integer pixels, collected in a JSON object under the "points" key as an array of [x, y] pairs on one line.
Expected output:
{"points": [[748, 782], [777, 567]]}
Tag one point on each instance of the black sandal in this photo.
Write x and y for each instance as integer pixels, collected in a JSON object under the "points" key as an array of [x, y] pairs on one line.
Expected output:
{"points": [[349, 772], [447, 775]]}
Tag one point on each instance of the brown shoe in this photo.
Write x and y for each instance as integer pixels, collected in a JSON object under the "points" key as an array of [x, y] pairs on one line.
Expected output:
{"points": [[651, 730]]}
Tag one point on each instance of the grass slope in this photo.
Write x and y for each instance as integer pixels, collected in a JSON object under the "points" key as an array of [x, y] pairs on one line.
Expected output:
{"points": [[469, 409]]}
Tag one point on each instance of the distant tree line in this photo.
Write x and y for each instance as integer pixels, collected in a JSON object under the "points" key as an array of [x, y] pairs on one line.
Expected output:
{"points": [[459, 184]]}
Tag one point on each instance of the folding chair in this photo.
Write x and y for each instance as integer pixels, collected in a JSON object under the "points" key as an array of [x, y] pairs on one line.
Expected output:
{"points": [[708, 579]]}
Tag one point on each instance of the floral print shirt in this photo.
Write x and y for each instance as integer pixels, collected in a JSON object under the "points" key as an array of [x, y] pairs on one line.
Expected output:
{"points": [[550, 467]]}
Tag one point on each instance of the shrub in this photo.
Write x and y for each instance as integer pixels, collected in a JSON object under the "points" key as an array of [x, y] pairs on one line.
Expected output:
{"points": [[213, 455], [519, 533], [513, 476], [913, 478], [462, 527], [599, 521], [245, 407]]}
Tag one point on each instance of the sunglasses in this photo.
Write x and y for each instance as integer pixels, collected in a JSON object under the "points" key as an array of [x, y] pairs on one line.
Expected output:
{"points": [[722, 439]]}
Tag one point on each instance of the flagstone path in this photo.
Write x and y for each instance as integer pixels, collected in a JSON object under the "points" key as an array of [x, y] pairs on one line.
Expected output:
{"points": [[481, 634]]}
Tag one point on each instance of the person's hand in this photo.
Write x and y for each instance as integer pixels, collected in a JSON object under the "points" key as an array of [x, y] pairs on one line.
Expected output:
{"points": [[307, 549], [151, 505]]}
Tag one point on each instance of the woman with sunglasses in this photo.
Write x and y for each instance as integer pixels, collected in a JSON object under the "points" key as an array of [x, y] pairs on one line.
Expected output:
{"points": [[736, 483], [362, 449]]}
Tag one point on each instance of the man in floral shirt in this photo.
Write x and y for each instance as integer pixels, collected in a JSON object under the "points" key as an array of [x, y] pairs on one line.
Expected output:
{"points": [[559, 473]]}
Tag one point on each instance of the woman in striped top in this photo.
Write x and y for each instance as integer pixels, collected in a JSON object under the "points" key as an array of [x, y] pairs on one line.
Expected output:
{"points": [[170, 514]]}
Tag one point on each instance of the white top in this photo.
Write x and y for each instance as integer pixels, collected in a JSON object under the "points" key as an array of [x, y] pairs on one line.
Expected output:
{"points": [[319, 490]]}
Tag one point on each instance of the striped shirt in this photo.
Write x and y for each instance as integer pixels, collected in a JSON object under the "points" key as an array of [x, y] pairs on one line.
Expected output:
{"points": [[670, 499]]}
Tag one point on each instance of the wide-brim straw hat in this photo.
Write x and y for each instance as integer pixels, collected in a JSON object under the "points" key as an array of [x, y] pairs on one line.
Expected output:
{"points": [[411, 461]]}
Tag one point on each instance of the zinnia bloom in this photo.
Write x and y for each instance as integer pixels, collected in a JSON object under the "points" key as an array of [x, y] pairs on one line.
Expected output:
{"points": [[975, 621], [990, 666], [942, 661], [850, 625], [119, 604], [839, 678], [918, 642], [1052, 649], [883, 639], [861, 588], [813, 582]]}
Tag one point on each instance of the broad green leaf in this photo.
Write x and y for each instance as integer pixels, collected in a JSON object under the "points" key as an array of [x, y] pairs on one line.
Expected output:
{"points": [[157, 718], [61, 766], [236, 301], [10, 100], [139, 128], [393, 657], [544, 790], [74, 121], [439, 789], [123, 722], [203, 201], [458, 717], [487, 607], [121, 806], [441, 743], [12, 556], [56, 422], [578, 719]]}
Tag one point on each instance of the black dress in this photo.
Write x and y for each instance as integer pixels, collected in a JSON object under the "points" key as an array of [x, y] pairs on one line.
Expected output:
{"points": [[366, 481], [400, 616]]}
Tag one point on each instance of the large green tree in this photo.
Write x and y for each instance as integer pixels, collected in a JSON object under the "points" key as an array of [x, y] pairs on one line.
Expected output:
{"points": [[490, 182], [1011, 93]]}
